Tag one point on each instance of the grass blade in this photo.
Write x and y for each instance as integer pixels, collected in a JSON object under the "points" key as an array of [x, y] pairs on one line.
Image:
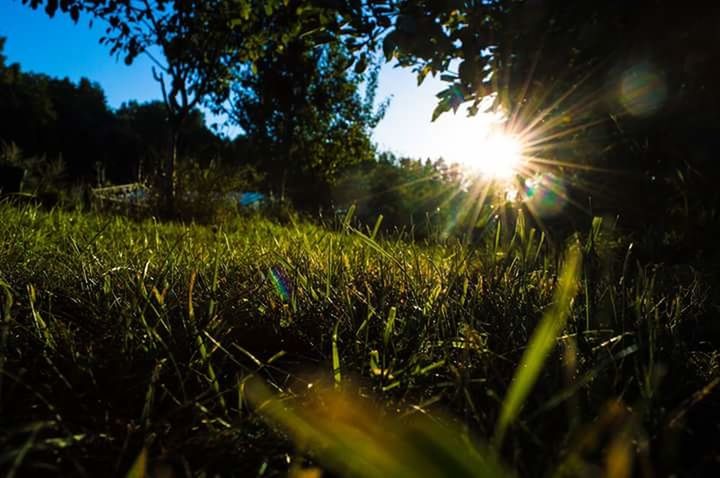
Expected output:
{"points": [[139, 468], [337, 374], [541, 343]]}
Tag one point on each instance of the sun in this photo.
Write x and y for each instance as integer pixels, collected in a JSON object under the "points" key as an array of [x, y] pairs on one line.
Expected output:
{"points": [[481, 145], [491, 154], [498, 156]]}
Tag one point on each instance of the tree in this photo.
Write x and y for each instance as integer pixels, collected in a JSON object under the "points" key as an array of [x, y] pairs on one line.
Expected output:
{"points": [[426, 198], [140, 135], [25, 104], [193, 61], [55, 117], [82, 127], [302, 110], [482, 47], [202, 42]]}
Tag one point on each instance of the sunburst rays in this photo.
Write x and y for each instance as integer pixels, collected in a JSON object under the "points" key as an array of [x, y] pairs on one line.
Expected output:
{"points": [[547, 126]]}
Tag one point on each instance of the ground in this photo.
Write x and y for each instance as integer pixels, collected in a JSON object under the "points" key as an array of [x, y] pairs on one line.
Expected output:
{"points": [[253, 348]]}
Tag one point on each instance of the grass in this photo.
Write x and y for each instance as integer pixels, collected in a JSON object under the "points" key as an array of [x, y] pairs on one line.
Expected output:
{"points": [[146, 349]]}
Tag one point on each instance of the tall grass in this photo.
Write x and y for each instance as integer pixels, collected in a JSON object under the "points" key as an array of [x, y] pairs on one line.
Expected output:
{"points": [[255, 349]]}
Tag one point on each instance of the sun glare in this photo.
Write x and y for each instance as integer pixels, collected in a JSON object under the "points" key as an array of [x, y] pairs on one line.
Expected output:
{"points": [[480, 145], [498, 156]]}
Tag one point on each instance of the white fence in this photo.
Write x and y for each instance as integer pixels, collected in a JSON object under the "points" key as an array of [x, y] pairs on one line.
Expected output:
{"points": [[129, 198]]}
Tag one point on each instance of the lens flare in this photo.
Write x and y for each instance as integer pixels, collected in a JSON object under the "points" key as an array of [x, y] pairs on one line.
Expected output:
{"points": [[531, 144], [511, 194], [280, 282], [545, 195], [642, 90]]}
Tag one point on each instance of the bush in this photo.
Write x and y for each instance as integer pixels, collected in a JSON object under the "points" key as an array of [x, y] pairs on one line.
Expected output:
{"points": [[12, 172], [208, 194], [43, 179]]}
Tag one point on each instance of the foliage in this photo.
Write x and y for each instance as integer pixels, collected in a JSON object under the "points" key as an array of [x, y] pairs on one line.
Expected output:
{"points": [[593, 84], [507, 47], [208, 194], [305, 119], [413, 197], [40, 178], [13, 174], [423, 201], [192, 56], [332, 123], [201, 44], [590, 93], [56, 118], [142, 131], [120, 336]]}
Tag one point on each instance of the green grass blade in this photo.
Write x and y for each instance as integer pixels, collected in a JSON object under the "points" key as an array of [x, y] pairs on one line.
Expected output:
{"points": [[541, 343], [337, 374], [389, 326], [348, 217], [139, 468], [377, 227]]}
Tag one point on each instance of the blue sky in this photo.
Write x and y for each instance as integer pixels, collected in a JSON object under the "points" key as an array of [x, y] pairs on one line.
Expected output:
{"points": [[60, 48]]}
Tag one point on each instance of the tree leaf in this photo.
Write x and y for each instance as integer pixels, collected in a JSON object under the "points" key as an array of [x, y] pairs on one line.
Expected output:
{"points": [[361, 64], [441, 108], [390, 45], [51, 7], [422, 74]]}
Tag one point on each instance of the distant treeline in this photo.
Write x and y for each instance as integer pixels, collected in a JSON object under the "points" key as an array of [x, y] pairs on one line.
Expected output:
{"points": [[58, 118], [330, 164], [330, 127]]}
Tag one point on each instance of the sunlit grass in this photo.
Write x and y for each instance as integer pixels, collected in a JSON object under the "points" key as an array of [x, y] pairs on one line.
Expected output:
{"points": [[376, 354]]}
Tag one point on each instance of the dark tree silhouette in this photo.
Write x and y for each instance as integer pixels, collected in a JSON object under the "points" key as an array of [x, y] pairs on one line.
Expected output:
{"points": [[202, 42], [193, 59], [56, 118], [302, 111]]}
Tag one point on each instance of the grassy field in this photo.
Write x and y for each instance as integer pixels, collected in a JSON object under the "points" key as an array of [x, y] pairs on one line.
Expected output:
{"points": [[255, 349]]}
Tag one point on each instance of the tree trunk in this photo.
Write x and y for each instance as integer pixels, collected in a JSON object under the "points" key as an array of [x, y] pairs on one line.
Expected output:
{"points": [[170, 180], [283, 184]]}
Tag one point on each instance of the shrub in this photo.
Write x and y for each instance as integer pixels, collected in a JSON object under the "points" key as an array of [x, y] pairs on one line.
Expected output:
{"points": [[208, 194]]}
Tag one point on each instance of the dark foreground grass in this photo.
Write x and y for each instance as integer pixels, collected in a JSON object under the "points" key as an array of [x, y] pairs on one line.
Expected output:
{"points": [[261, 350]]}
